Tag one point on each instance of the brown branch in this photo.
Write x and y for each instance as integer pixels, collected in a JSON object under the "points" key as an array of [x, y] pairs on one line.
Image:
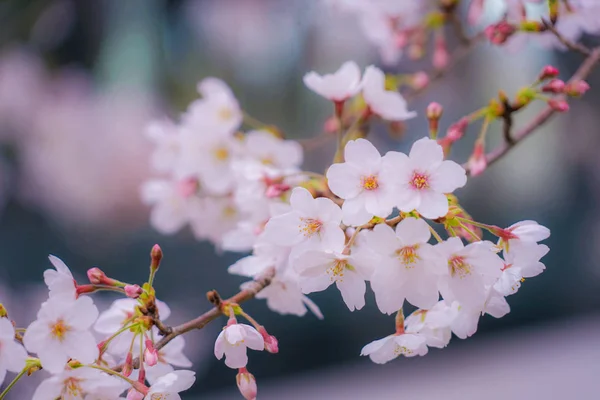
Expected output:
{"points": [[201, 321], [582, 72], [578, 47]]}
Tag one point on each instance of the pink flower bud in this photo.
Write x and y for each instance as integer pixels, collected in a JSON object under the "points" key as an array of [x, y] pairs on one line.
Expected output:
{"points": [[558, 105], [156, 255], [128, 366], [246, 384], [434, 110], [276, 190], [548, 72], [96, 276], [457, 130], [133, 291], [187, 187], [554, 86], [576, 88], [420, 80], [331, 125], [477, 162], [499, 33], [271, 343], [440, 53], [150, 354], [134, 395]]}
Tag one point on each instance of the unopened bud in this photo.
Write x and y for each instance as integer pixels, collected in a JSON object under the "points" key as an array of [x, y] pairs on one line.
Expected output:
{"points": [[478, 162], [457, 130], [96, 276], [420, 80], [434, 111], [499, 33], [271, 343], [576, 88], [188, 187], [331, 125], [558, 105], [128, 366], [441, 57], [554, 86], [150, 354], [276, 190], [246, 384], [133, 291], [548, 72], [156, 255]]}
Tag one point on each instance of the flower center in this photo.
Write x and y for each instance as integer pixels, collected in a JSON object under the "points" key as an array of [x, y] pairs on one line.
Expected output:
{"points": [[399, 350], [310, 226], [59, 329], [160, 396], [419, 181], [229, 212], [459, 267], [225, 114], [221, 153], [72, 388], [408, 256], [369, 182], [336, 271]]}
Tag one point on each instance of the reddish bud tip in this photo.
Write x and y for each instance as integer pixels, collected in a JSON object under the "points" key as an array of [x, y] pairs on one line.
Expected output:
{"points": [[457, 130], [150, 354], [499, 33], [420, 80], [133, 291], [156, 256], [554, 86], [548, 72], [96, 276], [271, 343], [558, 105], [576, 88], [478, 162], [128, 366], [441, 57], [331, 125], [246, 384], [434, 110], [276, 190]]}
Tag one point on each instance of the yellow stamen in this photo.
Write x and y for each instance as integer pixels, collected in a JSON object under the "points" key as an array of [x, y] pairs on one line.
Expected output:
{"points": [[59, 329], [310, 226], [419, 181], [458, 267], [370, 182], [408, 256]]}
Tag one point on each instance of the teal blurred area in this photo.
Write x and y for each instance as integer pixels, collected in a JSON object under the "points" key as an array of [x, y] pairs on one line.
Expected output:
{"points": [[79, 81]]}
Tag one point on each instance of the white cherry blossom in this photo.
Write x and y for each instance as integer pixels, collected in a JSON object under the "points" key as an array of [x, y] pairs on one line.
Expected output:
{"points": [[521, 261], [233, 341], [318, 269], [218, 107], [60, 282], [384, 350], [424, 177], [311, 223], [525, 231], [78, 384], [12, 353], [264, 148], [62, 331], [387, 104], [472, 269], [337, 87], [434, 324], [170, 385], [164, 134], [169, 356], [366, 182], [409, 267]]}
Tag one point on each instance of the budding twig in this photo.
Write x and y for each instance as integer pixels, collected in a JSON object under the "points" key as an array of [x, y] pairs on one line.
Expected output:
{"points": [[578, 47], [582, 72]]}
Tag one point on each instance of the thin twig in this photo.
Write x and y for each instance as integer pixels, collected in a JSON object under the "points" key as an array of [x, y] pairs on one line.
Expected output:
{"points": [[578, 47], [582, 72]]}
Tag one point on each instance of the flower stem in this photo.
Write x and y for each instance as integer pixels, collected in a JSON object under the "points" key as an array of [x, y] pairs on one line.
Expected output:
{"points": [[14, 382], [110, 372], [400, 322], [469, 231], [253, 122]]}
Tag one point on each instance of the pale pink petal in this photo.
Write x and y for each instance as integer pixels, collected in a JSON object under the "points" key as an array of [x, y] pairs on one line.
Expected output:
{"points": [[433, 204]]}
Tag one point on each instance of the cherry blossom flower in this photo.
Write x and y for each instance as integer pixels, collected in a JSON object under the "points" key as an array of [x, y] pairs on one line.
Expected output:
{"points": [[80, 383], [339, 86], [169, 356], [409, 267], [170, 385], [264, 148], [424, 177], [387, 104], [233, 341], [165, 136], [366, 181], [311, 222], [318, 269], [522, 261], [61, 331], [384, 350], [60, 282], [434, 324], [523, 231], [284, 296], [217, 107], [12, 354], [471, 270]]}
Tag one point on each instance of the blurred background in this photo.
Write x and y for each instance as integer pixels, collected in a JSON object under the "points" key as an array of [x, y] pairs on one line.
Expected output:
{"points": [[79, 81]]}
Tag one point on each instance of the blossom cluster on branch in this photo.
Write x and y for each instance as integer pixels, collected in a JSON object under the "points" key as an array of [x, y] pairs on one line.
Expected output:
{"points": [[389, 219]]}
